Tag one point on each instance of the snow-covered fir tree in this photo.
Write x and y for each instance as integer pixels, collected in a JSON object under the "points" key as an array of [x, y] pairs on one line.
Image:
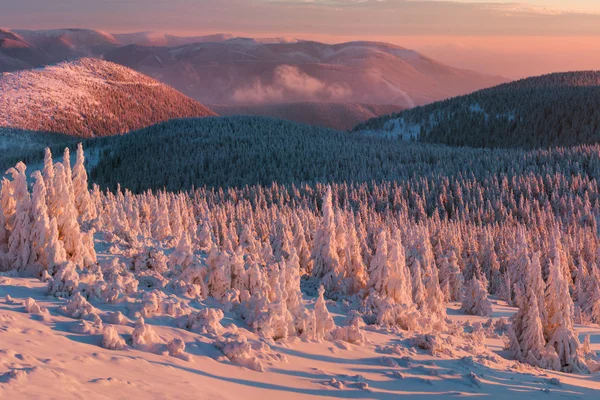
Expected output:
{"points": [[475, 298], [326, 262]]}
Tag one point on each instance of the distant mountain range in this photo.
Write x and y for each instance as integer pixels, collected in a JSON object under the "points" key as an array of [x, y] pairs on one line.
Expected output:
{"points": [[87, 98], [560, 109], [222, 69], [16, 53], [247, 71], [21, 49]]}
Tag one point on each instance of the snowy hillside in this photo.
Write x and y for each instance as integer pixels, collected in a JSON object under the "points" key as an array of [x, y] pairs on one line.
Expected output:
{"points": [[551, 110], [87, 98], [385, 366]]}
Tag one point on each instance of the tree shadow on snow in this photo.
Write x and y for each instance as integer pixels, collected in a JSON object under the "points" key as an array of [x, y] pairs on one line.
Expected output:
{"points": [[353, 393]]}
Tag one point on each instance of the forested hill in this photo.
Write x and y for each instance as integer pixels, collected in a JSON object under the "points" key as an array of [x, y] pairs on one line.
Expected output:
{"points": [[238, 151], [552, 110], [88, 97]]}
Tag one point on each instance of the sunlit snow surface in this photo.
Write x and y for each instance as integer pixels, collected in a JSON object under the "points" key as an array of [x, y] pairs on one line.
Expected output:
{"points": [[50, 355]]}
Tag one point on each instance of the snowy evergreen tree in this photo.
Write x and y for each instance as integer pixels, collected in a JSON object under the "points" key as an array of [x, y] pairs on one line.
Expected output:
{"points": [[62, 207], [302, 248], [67, 170], [451, 278], [219, 273], [325, 257], [183, 255], [175, 222], [530, 231], [83, 202], [475, 299], [239, 276], [427, 293], [55, 251], [323, 319], [205, 237], [293, 294], [48, 174], [379, 270], [399, 287], [526, 336], [559, 328], [161, 229], [40, 229], [20, 255]]}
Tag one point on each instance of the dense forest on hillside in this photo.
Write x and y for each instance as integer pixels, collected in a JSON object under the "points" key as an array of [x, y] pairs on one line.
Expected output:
{"points": [[231, 151], [542, 112], [239, 151], [28, 146]]}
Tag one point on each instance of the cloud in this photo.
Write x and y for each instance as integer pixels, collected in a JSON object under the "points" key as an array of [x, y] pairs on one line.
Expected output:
{"points": [[290, 83]]}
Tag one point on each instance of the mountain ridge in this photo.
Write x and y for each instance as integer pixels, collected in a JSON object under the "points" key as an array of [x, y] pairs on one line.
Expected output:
{"points": [[249, 72]]}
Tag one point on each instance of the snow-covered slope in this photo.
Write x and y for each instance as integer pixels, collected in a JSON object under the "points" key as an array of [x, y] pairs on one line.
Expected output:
{"points": [[54, 356], [89, 97], [340, 116]]}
